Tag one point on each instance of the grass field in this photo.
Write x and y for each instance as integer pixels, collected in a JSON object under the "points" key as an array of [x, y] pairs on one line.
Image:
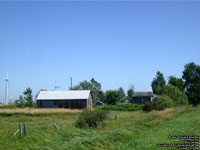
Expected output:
{"points": [[36, 111], [132, 130]]}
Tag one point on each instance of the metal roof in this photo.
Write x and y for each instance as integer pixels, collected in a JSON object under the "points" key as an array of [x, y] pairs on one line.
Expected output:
{"points": [[63, 95], [136, 94]]}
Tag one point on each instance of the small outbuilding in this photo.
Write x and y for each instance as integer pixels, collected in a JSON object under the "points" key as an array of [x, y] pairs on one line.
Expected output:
{"points": [[142, 97], [73, 99]]}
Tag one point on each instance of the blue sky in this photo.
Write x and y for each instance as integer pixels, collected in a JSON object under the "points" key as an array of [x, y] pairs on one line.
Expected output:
{"points": [[117, 43]]}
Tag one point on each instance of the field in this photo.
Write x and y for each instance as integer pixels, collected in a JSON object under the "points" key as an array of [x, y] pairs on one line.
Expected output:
{"points": [[131, 130], [36, 112]]}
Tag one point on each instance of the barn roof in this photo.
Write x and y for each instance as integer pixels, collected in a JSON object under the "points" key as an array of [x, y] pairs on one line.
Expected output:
{"points": [[139, 94], [63, 95]]}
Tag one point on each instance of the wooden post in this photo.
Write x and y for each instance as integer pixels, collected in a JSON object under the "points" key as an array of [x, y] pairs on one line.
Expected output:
{"points": [[56, 126], [20, 129], [16, 132], [25, 129], [115, 117]]}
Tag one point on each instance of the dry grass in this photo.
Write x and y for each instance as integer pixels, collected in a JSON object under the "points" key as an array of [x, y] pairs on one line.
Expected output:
{"points": [[163, 112], [167, 111], [37, 111]]}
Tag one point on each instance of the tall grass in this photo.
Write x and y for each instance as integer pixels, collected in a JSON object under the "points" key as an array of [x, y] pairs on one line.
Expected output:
{"points": [[36, 111], [121, 107], [127, 128]]}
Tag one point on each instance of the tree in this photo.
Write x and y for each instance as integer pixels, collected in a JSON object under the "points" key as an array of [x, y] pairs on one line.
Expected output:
{"points": [[121, 93], [28, 97], [191, 75], [178, 97], [101, 96], [130, 93], [20, 101], [112, 97], [93, 86], [178, 82], [158, 82]]}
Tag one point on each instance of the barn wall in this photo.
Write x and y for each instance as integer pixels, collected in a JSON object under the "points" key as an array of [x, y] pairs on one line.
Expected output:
{"points": [[45, 103], [141, 99], [73, 104]]}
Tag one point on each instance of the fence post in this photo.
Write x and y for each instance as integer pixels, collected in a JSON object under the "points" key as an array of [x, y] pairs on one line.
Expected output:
{"points": [[25, 129], [56, 126], [20, 129]]}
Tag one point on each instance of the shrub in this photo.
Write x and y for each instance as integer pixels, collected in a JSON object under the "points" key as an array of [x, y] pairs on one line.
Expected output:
{"points": [[91, 118], [164, 100], [161, 102], [149, 106], [175, 94], [158, 106]]}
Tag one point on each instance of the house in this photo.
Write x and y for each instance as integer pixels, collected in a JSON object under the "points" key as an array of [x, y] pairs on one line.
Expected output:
{"points": [[142, 97], [73, 99]]}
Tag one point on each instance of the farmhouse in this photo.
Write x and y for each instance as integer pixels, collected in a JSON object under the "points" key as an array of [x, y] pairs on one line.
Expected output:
{"points": [[142, 97], [74, 99]]}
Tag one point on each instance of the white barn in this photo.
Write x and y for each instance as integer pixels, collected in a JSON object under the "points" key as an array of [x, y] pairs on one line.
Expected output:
{"points": [[73, 99]]}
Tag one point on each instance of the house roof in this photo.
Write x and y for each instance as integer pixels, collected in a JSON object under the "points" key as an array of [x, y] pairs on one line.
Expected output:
{"points": [[136, 94], [63, 95]]}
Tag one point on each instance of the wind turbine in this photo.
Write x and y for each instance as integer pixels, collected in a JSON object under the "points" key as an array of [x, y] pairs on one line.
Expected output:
{"points": [[6, 89]]}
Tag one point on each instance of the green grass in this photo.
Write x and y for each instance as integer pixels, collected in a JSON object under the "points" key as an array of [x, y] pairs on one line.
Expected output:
{"points": [[121, 107], [131, 130], [184, 125], [15, 106]]}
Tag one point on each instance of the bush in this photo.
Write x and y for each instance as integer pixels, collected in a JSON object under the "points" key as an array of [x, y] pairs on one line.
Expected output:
{"points": [[158, 106], [165, 101], [178, 97], [149, 106], [161, 102], [91, 119]]}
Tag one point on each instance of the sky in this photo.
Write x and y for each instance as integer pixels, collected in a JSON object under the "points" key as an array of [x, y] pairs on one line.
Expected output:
{"points": [[117, 43]]}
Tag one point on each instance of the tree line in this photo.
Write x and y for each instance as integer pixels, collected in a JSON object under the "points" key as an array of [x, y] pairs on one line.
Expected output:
{"points": [[188, 85], [179, 90], [108, 97]]}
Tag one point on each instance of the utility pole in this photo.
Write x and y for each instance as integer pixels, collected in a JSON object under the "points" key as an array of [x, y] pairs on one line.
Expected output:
{"points": [[71, 82], [6, 89]]}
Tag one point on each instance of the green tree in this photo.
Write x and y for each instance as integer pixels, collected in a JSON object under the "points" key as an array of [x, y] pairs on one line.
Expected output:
{"points": [[191, 75], [20, 102], [101, 96], [158, 82], [93, 86], [121, 93], [28, 97], [130, 93], [112, 97], [178, 97], [164, 100], [178, 82]]}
